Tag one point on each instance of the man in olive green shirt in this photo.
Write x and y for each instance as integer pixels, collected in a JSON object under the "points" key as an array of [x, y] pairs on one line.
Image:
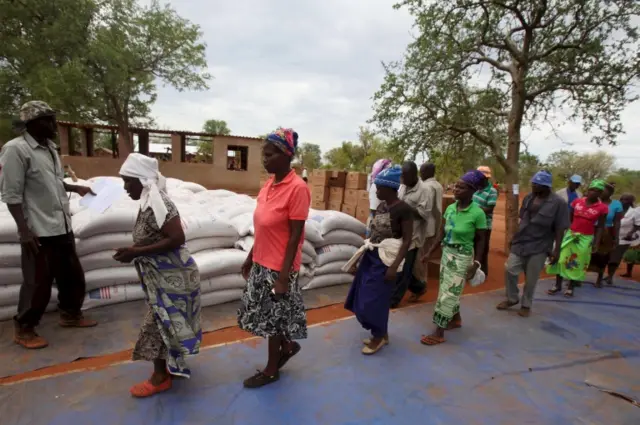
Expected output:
{"points": [[32, 186]]}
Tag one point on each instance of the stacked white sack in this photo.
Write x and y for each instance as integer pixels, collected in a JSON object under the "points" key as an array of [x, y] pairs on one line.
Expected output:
{"points": [[98, 235], [340, 237]]}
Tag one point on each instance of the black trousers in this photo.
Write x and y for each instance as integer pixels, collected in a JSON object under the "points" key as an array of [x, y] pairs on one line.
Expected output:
{"points": [[56, 260], [406, 280]]}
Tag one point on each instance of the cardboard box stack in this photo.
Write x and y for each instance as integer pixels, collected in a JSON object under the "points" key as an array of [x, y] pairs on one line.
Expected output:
{"points": [[356, 183], [327, 189], [363, 208]]}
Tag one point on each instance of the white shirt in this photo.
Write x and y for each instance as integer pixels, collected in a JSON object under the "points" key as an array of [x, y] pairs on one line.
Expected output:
{"points": [[630, 219], [434, 205], [373, 198]]}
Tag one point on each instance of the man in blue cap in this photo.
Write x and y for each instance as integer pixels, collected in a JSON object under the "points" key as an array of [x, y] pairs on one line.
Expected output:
{"points": [[544, 218], [571, 192]]}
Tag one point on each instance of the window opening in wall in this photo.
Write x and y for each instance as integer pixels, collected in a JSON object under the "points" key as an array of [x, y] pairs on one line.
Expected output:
{"points": [[237, 158]]}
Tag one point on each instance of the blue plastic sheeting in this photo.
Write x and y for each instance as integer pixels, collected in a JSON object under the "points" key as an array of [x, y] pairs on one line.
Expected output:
{"points": [[118, 328], [498, 369]]}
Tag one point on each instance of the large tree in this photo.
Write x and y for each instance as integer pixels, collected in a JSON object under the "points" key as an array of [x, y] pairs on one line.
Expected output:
{"points": [[217, 127], [131, 48], [309, 155], [484, 67], [360, 155], [40, 57], [97, 60], [590, 165]]}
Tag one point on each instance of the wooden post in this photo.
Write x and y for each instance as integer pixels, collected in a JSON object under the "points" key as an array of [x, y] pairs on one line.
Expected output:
{"points": [[143, 142], [178, 148], [63, 135], [86, 139]]}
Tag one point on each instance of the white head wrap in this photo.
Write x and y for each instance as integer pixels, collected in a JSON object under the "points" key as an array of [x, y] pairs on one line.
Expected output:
{"points": [[145, 169]]}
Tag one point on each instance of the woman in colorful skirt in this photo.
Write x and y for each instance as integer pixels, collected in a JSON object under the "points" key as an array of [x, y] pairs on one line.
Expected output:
{"points": [[169, 277], [610, 235], [370, 293], [628, 234], [463, 244], [272, 305], [588, 218]]}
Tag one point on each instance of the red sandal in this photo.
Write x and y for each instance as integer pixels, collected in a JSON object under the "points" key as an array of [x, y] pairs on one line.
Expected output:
{"points": [[147, 389], [432, 340]]}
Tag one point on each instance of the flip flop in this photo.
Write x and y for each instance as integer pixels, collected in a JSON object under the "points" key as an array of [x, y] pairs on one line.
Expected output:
{"points": [[147, 389], [367, 341], [285, 357], [553, 291], [367, 351], [431, 340], [568, 293]]}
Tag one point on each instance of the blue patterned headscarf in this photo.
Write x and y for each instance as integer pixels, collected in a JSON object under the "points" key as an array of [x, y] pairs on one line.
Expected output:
{"points": [[285, 139], [474, 178], [389, 177]]}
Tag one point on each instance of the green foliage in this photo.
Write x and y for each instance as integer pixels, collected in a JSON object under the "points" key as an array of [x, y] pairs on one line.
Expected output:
{"points": [[360, 155], [217, 127], [205, 144], [627, 181], [554, 54], [96, 60], [483, 68], [563, 164], [309, 155]]}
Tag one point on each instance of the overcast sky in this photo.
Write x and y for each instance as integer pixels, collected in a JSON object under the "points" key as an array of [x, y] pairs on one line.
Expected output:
{"points": [[314, 66]]}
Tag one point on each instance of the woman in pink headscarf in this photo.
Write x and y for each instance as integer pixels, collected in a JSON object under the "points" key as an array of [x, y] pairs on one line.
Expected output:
{"points": [[374, 202]]}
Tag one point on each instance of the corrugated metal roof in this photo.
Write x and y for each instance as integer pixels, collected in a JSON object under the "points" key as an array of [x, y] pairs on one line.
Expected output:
{"points": [[150, 130]]}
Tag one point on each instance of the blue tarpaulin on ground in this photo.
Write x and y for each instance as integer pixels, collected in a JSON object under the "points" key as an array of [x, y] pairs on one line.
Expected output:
{"points": [[574, 361]]}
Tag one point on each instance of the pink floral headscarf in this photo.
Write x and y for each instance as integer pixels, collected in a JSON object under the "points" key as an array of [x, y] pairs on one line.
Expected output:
{"points": [[379, 165]]}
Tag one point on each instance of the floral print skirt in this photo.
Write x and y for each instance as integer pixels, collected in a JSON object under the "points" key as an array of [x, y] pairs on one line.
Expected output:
{"points": [[262, 315], [575, 256]]}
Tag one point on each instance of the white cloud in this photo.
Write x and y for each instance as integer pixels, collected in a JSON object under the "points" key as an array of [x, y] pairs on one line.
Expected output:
{"points": [[313, 66]]}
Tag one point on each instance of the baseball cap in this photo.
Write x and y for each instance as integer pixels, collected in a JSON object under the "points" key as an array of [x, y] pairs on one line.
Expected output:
{"points": [[35, 109], [575, 179], [485, 170]]}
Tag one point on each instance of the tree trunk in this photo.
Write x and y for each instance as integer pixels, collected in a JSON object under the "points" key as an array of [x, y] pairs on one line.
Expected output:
{"points": [[513, 155], [125, 142]]}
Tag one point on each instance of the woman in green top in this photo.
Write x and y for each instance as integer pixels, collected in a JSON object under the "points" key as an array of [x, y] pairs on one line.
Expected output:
{"points": [[462, 249]]}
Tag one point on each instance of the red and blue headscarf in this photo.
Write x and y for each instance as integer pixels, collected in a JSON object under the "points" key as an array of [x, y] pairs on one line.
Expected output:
{"points": [[285, 139]]}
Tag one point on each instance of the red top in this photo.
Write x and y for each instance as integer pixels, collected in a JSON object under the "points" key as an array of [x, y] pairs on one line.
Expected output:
{"points": [[278, 203], [585, 217]]}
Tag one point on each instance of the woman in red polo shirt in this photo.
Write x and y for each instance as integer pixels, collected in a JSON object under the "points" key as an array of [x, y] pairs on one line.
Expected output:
{"points": [[272, 305], [588, 218]]}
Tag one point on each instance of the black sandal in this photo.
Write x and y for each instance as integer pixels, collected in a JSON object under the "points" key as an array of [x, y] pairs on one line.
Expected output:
{"points": [[568, 293], [260, 380], [285, 357]]}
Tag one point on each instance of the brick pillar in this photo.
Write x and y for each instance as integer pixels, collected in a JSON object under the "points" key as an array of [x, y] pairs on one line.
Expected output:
{"points": [[143, 142], [63, 136], [86, 141], [178, 148]]}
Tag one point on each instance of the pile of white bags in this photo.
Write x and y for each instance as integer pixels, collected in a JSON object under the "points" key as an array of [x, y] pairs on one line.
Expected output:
{"points": [[219, 231]]}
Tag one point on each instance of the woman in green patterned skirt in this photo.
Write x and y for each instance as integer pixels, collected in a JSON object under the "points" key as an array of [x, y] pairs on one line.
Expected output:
{"points": [[462, 248]]}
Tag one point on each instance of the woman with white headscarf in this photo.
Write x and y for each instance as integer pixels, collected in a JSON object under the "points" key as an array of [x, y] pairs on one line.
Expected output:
{"points": [[169, 277]]}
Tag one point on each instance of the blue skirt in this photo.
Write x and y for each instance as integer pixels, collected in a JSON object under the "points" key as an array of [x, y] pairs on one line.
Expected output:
{"points": [[369, 296]]}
